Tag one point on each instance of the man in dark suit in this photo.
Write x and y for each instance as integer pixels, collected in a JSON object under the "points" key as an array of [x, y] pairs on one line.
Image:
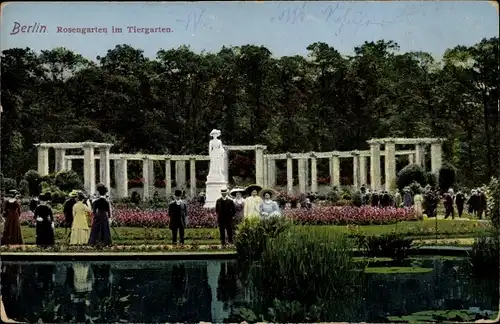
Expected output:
{"points": [[225, 209], [177, 211]]}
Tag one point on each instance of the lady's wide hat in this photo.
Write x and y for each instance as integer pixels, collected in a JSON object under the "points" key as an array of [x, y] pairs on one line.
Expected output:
{"points": [[13, 193], [271, 192], [234, 191], [253, 187], [73, 194]]}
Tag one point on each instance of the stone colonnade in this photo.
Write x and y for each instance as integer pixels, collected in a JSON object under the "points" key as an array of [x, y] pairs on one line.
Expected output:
{"points": [[121, 167], [307, 163], [61, 162], [265, 164]]}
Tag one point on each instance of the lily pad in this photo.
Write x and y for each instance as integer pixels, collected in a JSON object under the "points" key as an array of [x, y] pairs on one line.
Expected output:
{"points": [[391, 270]]}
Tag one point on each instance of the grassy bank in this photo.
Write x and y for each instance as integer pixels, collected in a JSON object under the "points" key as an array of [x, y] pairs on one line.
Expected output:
{"points": [[419, 230]]}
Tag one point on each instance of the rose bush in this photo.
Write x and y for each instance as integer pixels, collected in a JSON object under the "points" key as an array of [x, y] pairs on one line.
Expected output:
{"points": [[199, 217]]}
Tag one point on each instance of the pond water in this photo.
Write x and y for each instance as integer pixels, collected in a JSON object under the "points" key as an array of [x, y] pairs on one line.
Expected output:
{"points": [[193, 291]]}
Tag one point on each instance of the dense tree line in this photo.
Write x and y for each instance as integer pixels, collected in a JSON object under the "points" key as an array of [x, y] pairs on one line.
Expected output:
{"points": [[326, 101]]}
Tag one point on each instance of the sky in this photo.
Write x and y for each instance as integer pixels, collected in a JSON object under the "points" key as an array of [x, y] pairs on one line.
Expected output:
{"points": [[286, 28]]}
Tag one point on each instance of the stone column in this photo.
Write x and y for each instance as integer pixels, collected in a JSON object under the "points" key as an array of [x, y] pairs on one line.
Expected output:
{"points": [[104, 166], [420, 155], [60, 157], [259, 165], [145, 176], [289, 173], [335, 170], [266, 172], [152, 177], [192, 177], [362, 170], [314, 173], [374, 165], [69, 164], [355, 170], [411, 158], [390, 164], [302, 175], [43, 160], [307, 174], [168, 179], [180, 174], [271, 172], [121, 177], [89, 168], [436, 156]]}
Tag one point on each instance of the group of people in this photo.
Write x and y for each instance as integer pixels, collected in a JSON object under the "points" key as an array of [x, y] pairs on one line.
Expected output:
{"points": [[77, 211], [426, 201], [231, 208]]}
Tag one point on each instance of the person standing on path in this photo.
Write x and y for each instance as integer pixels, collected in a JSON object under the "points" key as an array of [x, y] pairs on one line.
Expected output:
{"points": [[460, 202], [100, 233], [177, 212], [239, 203], [225, 210], [482, 202], [44, 222], [68, 210], [448, 204], [12, 234], [253, 202], [80, 231]]}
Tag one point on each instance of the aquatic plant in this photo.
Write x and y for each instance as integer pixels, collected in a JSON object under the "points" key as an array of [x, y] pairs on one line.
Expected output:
{"points": [[392, 245]]}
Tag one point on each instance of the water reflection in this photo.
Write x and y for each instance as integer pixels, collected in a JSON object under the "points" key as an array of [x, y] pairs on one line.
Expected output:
{"points": [[210, 291]]}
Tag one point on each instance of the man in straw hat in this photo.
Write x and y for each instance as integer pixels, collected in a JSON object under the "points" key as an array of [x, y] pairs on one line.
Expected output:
{"points": [[177, 212], [268, 208], [252, 202], [225, 210]]}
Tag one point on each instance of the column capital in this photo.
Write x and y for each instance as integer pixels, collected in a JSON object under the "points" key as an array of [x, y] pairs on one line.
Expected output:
{"points": [[260, 147], [313, 155], [437, 141], [374, 142], [289, 155], [390, 141], [192, 158], [335, 155], [355, 153], [88, 144], [123, 158]]}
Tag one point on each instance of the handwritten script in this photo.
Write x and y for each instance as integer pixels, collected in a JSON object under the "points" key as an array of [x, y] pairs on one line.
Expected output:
{"points": [[194, 21], [335, 13]]}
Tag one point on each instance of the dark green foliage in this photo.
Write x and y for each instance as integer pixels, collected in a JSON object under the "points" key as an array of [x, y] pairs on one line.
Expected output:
{"points": [[484, 257], [430, 179], [24, 188], [68, 181], [34, 180], [253, 234], [324, 102], [9, 184], [395, 246], [409, 174], [447, 177]]}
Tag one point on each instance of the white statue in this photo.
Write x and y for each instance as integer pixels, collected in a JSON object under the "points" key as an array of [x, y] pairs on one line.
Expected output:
{"points": [[217, 153]]}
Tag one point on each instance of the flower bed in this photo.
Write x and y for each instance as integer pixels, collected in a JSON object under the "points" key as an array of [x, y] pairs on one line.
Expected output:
{"points": [[199, 217]]}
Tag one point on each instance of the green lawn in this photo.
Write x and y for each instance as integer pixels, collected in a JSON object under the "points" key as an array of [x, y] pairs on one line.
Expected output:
{"points": [[202, 236]]}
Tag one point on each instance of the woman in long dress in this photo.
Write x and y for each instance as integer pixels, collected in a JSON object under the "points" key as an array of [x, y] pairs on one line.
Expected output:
{"points": [[12, 234], [252, 203], [217, 153], [418, 202], [239, 204], [100, 233], [44, 222], [80, 231], [268, 207]]}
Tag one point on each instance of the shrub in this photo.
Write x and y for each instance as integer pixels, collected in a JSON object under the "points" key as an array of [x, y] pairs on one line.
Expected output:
{"points": [[301, 274], [68, 181], [24, 188], [9, 184], [57, 196], [395, 246], [446, 177], [430, 179], [34, 180], [408, 174], [484, 256], [253, 234], [49, 178], [493, 203]]}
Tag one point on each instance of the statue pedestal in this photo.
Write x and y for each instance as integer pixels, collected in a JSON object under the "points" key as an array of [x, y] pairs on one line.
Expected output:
{"points": [[213, 192]]}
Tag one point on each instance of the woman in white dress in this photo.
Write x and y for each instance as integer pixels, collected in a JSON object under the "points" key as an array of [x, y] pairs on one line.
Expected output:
{"points": [[252, 202], [217, 153], [239, 203], [268, 207], [418, 202]]}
